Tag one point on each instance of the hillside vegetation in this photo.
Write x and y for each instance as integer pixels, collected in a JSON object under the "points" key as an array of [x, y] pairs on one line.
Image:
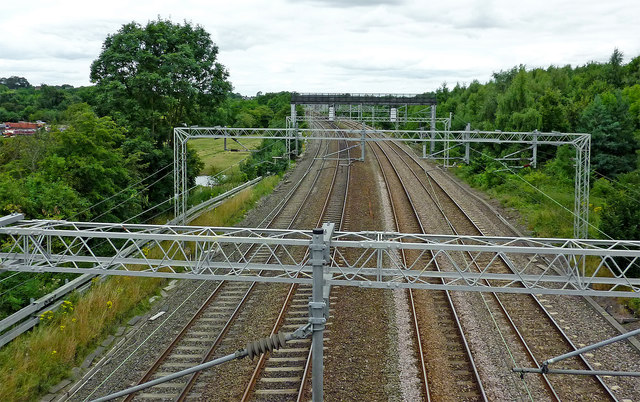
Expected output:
{"points": [[602, 99], [108, 153]]}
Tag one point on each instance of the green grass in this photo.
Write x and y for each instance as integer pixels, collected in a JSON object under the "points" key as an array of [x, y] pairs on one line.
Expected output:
{"points": [[211, 152], [234, 209], [39, 359], [546, 210]]}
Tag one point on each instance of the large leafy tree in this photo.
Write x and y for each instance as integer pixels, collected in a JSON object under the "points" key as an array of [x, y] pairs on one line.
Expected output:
{"points": [[608, 121], [159, 76]]}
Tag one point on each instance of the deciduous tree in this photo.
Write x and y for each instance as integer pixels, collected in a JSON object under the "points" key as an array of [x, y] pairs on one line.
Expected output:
{"points": [[159, 76]]}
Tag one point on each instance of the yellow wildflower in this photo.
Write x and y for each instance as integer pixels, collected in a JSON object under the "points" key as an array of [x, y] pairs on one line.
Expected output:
{"points": [[109, 304]]}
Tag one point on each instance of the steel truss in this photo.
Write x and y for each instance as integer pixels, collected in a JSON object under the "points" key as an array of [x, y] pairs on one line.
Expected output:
{"points": [[364, 99], [363, 259], [379, 113], [581, 143]]}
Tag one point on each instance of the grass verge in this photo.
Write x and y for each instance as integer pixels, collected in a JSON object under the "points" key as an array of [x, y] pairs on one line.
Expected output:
{"points": [[215, 158], [39, 359], [543, 200]]}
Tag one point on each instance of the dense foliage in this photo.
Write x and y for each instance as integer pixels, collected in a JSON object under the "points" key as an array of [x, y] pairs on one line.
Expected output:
{"points": [[602, 99], [107, 154], [24, 102], [159, 76]]}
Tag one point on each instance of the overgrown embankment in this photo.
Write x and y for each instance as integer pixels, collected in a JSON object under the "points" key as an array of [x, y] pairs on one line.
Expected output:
{"points": [[35, 361]]}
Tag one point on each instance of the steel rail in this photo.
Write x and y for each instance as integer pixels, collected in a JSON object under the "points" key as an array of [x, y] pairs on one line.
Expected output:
{"points": [[167, 352], [410, 291], [345, 145], [261, 360], [506, 264], [194, 377], [499, 302], [250, 388], [516, 232], [414, 315]]}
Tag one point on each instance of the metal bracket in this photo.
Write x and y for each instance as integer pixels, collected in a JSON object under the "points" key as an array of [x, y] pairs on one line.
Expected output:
{"points": [[9, 219], [546, 370]]}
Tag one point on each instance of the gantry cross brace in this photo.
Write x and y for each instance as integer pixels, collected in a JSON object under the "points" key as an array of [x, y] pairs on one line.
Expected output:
{"points": [[363, 259]]}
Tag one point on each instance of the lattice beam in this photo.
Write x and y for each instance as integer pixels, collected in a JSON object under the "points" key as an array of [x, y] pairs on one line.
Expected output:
{"points": [[364, 259]]}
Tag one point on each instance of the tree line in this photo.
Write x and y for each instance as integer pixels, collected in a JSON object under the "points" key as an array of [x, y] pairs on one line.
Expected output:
{"points": [[602, 99], [109, 153], [110, 141]]}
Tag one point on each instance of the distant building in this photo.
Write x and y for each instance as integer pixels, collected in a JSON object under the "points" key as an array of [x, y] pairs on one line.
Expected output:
{"points": [[21, 128]]}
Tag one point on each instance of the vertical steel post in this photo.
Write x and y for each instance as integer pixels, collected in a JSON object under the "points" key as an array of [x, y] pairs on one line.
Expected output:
{"points": [[379, 259], [176, 165], [183, 153], [180, 172], [424, 144], [466, 143], [581, 195], [295, 128], [293, 133], [433, 129], [534, 149], [362, 142], [316, 314]]}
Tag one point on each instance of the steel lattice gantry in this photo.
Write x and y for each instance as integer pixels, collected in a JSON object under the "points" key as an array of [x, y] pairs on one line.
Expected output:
{"points": [[364, 259], [363, 99], [371, 108], [580, 142]]}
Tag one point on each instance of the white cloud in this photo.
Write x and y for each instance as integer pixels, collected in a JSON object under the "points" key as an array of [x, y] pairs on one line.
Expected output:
{"points": [[332, 45]]}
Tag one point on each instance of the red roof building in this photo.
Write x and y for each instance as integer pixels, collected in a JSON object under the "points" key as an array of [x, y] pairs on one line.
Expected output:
{"points": [[20, 128]]}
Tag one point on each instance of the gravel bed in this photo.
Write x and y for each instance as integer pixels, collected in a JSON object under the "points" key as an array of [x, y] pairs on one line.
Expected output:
{"points": [[492, 360], [362, 360], [125, 365], [402, 334], [229, 381], [575, 316]]}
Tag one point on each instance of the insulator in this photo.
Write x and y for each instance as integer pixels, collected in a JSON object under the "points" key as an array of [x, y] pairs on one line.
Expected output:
{"points": [[274, 342]]}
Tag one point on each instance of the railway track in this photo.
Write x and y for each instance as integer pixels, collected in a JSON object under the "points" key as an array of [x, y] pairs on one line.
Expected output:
{"points": [[442, 348], [531, 324], [283, 374], [212, 322]]}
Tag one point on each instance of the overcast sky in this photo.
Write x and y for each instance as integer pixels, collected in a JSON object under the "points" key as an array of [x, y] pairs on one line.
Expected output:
{"points": [[401, 46]]}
